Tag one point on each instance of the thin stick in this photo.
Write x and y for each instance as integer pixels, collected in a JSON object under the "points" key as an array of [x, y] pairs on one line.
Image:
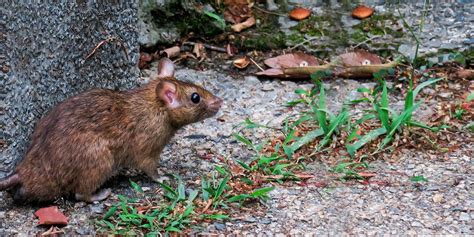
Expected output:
{"points": [[209, 203], [208, 46], [365, 41], [304, 42], [269, 12], [108, 40], [261, 69]]}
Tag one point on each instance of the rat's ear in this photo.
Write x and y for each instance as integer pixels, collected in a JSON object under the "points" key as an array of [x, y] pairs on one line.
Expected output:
{"points": [[165, 68], [166, 92]]}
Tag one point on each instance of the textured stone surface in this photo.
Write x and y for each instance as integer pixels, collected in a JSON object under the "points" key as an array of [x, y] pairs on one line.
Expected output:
{"points": [[43, 61]]}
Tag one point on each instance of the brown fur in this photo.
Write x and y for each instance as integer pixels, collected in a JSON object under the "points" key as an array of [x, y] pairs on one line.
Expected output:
{"points": [[85, 140]]}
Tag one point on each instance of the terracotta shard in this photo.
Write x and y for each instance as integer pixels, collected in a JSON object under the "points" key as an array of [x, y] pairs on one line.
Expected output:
{"points": [[51, 216], [299, 14], [362, 12]]}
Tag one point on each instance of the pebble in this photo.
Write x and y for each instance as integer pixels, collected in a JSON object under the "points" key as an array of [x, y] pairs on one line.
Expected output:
{"points": [[464, 216], [437, 198], [219, 226]]}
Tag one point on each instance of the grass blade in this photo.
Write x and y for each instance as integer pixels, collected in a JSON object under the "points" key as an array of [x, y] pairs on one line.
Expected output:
{"points": [[242, 139], [372, 135], [382, 109], [136, 187], [423, 85], [220, 188], [340, 119], [262, 192], [308, 137], [168, 189], [397, 123]]}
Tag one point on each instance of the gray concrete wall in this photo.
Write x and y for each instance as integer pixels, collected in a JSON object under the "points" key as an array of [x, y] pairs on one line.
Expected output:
{"points": [[43, 49]]}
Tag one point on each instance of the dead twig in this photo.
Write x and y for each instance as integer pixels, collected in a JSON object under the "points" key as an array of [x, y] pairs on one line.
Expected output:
{"points": [[261, 69], [304, 42], [209, 203], [108, 40], [366, 41], [208, 46], [269, 12]]}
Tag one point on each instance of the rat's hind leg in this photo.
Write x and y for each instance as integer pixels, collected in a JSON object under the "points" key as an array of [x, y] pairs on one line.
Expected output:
{"points": [[18, 194], [149, 166], [98, 196]]}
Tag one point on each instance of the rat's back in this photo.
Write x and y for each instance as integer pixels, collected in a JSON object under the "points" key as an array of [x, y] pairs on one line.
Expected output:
{"points": [[73, 146]]}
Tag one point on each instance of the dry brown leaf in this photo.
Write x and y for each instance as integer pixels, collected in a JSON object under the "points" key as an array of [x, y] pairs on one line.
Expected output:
{"points": [[200, 51], [362, 12], [241, 63], [237, 13], [366, 175], [244, 25], [291, 60], [272, 72], [299, 14], [171, 52], [359, 58], [144, 61]]}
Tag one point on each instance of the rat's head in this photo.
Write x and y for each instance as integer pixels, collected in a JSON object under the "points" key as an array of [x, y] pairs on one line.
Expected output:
{"points": [[187, 103]]}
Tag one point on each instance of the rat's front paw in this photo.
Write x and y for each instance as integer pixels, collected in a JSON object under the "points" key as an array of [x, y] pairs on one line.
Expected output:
{"points": [[161, 179]]}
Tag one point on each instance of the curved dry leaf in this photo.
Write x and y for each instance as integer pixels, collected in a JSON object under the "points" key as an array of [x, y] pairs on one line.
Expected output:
{"points": [[200, 51], [244, 25], [359, 58], [272, 72], [291, 60], [236, 13], [171, 52], [241, 63]]}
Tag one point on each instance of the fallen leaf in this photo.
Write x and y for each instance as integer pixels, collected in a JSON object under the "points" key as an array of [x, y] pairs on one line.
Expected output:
{"points": [[464, 74], [236, 13], [241, 63], [51, 216], [171, 52], [53, 231], [200, 51], [272, 72], [299, 14], [359, 58], [362, 12], [144, 61], [366, 175], [231, 50], [291, 60], [244, 25]]}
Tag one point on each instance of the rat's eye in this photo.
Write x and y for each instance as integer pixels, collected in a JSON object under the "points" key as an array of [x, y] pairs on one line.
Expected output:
{"points": [[195, 98]]}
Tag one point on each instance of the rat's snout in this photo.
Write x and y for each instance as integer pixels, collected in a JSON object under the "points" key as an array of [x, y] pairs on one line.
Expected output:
{"points": [[215, 104]]}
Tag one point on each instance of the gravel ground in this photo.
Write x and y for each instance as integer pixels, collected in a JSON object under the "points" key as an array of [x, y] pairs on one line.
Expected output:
{"points": [[391, 204]]}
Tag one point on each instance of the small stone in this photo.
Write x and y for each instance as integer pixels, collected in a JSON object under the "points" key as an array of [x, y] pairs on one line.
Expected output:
{"points": [[464, 216], [2, 214], [99, 208], [416, 224], [437, 198], [251, 219], [219, 226]]}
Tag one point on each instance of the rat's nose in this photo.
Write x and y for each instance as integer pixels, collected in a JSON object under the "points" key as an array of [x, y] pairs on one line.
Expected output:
{"points": [[215, 104]]}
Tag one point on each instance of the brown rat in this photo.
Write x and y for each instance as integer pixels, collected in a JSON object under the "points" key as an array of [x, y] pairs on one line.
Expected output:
{"points": [[86, 139]]}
